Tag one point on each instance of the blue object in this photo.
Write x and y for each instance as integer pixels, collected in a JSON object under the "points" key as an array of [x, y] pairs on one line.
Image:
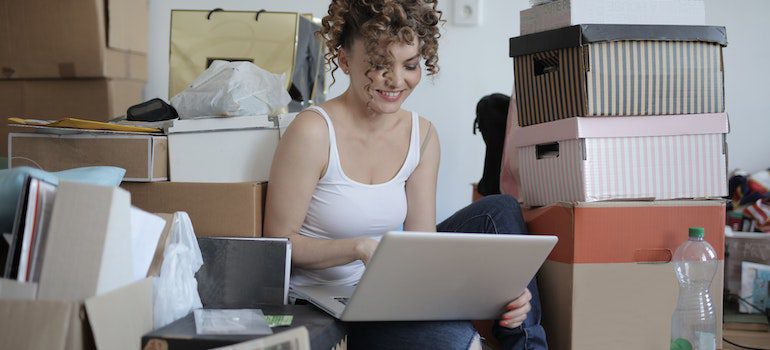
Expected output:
{"points": [[12, 180]]}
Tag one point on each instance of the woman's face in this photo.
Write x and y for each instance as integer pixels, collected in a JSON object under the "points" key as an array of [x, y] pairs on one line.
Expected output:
{"points": [[389, 88]]}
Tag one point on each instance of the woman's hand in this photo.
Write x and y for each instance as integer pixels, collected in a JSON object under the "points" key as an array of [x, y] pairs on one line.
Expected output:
{"points": [[364, 249], [517, 310]]}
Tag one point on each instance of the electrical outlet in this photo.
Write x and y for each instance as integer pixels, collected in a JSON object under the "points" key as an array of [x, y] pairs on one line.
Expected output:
{"points": [[467, 12]]}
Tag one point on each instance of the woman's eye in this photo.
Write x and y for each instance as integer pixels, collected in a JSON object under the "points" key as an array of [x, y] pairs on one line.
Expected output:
{"points": [[411, 67]]}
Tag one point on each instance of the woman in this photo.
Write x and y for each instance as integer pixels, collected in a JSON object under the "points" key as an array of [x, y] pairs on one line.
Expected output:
{"points": [[358, 166]]}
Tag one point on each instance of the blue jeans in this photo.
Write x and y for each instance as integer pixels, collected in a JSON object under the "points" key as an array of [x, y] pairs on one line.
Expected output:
{"points": [[491, 214]]}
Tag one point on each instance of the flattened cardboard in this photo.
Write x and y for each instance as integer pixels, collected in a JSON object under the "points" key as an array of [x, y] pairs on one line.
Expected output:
{"points": [[216, 209], [93, 99], [74, 39], [88, 244], [564, 13], [144, 157]]}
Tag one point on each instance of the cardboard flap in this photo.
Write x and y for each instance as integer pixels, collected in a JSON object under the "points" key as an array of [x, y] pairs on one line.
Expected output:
{"points": [[10, 289], [89, 243], [36, 325], [119, 318], [596, 127], [127, 22], [579, 35]]}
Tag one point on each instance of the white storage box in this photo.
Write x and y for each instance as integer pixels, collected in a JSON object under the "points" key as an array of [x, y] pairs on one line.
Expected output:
{"points": [[564, 13], [610, 158], [224, 150]]}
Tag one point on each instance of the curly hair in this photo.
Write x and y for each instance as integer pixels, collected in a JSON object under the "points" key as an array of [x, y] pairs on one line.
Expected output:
{"points": [[381, 23]]}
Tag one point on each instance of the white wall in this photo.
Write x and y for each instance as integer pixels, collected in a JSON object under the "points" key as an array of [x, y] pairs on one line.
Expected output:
{"points": [[747, 79], [474, 62]]}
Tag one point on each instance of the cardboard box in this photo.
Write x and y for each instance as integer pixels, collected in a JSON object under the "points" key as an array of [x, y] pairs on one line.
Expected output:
{"points": [[216, 209], [609, 282], [611, 70], [224, 150], [115, 320], [743, 246], [144, 156], [87, 296], [595, 159], [87, 252], [564, 13], [94, 99], [74, 39]]}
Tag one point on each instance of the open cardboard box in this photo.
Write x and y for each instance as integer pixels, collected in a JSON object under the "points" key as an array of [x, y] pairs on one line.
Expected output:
{"points": [[87, 296], [144, 156], [114, 320]]}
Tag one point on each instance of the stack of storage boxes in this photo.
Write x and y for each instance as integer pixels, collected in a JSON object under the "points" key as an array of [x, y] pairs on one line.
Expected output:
{"points": [[218, 171], [68, 58], [621, 140], [215, 169]]}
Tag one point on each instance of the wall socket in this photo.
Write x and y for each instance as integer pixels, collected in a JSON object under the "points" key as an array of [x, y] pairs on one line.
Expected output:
{"points": [[467, 12]]}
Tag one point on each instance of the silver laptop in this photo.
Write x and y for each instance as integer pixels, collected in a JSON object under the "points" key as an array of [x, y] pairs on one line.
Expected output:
{"points": [[429, 276]]}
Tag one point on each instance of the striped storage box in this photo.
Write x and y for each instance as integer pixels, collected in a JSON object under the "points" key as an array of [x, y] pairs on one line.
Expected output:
{"points": [[618, 70], [595, 159]]}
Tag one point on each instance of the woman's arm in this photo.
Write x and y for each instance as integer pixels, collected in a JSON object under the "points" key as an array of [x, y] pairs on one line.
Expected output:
{"points": [[298, 163], [421, 185]]}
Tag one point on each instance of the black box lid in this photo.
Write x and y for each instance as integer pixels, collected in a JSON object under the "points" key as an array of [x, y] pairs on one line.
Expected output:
{"points": [[579, 35]]}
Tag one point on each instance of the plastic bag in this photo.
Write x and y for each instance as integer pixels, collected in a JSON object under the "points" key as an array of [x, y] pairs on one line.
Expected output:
{"points": [[231, 321], [176, 290], [230, 89]]}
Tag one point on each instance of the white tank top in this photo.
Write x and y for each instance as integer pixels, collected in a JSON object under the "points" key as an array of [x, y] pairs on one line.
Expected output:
{"points": [[344, 208]]}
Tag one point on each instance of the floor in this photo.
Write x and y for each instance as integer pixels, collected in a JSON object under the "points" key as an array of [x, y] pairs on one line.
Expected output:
{"points": [[756, 340]]}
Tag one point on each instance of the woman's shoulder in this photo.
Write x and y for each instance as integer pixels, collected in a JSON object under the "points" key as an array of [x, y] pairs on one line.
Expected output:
{"points": [[309, 125]]}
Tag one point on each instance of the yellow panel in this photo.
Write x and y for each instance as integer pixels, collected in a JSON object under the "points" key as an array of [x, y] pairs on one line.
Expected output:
{"points": [[270, 42]]}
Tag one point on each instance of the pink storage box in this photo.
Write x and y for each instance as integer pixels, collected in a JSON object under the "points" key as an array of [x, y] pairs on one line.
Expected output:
{"points": [[613, 158]]}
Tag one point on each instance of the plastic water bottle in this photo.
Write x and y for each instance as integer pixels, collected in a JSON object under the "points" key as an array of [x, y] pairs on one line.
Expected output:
{"points": [[693, 325]]}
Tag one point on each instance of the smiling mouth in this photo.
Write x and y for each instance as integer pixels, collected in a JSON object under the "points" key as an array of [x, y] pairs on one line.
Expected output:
{"points": [[389, 95]]}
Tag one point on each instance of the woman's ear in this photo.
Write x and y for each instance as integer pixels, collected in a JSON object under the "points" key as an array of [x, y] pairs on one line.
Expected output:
{"points": [[343, 60]]}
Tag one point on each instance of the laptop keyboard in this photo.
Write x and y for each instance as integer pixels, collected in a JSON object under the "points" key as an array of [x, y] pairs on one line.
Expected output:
{"points": [[343, 300]]}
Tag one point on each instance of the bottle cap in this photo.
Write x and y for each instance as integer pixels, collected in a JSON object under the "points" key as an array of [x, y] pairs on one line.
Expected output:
{"points": [[696, 232], [681, 344]]}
